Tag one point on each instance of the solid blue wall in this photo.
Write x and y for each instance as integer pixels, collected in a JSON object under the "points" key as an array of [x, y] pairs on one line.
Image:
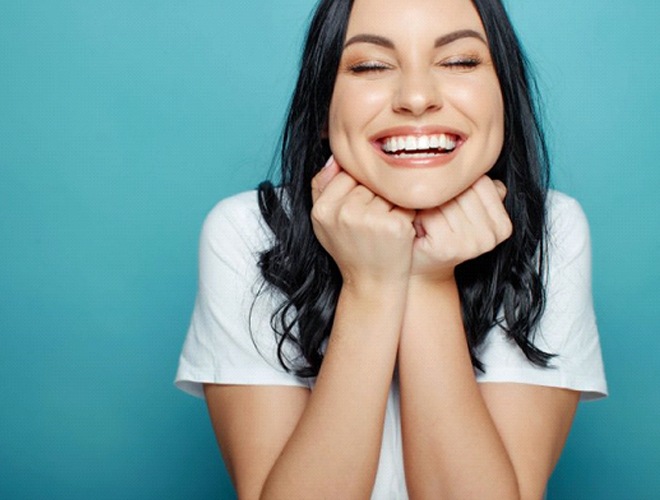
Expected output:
{"points": [[122, 123]]}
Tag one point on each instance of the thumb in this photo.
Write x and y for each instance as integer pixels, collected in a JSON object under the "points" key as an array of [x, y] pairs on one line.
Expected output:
{"points": [[323, 178]]}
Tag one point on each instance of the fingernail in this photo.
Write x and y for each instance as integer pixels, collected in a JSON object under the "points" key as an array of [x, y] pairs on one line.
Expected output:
{"points": [[329, 162]]}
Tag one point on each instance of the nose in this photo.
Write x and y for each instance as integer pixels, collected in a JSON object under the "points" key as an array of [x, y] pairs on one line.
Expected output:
{"points": [[418, 92]]}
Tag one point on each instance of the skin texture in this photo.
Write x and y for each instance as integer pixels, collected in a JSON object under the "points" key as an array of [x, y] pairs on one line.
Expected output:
{"points": [[396, 234], [426, 87]]}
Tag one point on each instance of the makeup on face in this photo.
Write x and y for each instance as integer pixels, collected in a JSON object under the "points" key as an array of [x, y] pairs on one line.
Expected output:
{"points": [[416, 114]]}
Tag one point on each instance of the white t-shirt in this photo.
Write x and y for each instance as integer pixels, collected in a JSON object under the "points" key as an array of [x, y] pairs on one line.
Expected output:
{"points": [[230, 339]]}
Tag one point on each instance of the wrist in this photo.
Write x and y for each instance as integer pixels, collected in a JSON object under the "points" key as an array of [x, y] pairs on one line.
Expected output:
{"points": [[432, 285], [375, 288], [439, 278], [433, 308]]}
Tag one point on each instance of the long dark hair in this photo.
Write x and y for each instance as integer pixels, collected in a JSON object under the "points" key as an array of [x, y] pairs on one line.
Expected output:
{"points": [[504, 286]]}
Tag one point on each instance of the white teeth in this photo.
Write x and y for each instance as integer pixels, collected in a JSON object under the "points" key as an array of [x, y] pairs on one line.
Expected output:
{"points": [[417, 143], [416, 155]]}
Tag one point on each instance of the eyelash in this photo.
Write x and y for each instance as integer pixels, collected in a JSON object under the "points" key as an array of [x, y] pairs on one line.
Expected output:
{"points": [[366, 67], [468, 62]]}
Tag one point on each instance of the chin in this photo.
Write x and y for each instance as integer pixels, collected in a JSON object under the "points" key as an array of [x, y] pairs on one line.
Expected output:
{"points": [[418, 199]]}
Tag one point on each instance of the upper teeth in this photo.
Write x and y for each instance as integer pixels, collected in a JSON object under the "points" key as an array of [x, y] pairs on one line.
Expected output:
{"points": [[418, 142]]}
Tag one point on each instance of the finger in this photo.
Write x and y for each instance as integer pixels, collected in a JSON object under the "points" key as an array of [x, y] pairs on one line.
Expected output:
{"points": [[434, 225], [340, 186], [409, 215], [490, 194], [474, 209], [334, 177], [492, 199], [501, 189], [420, 232], [456, 218], [380, 203], [324, 177], [360, 195], [327, 173]]}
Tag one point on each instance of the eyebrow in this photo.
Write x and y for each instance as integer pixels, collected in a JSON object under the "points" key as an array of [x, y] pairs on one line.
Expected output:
{"points": [[457, 35], [439, 42]]}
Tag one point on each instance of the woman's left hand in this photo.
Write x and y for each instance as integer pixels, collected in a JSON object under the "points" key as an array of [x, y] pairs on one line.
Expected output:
{"points": [[463, 228]]}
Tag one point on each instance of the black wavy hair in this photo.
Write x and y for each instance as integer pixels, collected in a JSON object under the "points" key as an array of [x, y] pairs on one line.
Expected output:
{"points": [[504, 286]]}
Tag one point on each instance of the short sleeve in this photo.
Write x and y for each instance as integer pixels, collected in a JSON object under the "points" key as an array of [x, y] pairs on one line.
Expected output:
{"points": [[230, 339], [568, 326]]}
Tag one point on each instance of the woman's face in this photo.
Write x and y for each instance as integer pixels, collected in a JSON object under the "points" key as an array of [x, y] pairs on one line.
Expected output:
{"points": [[416, 113]]}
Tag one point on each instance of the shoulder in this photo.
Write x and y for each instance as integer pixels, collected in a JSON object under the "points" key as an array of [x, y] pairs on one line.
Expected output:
{"points": [[564, 212], [230, 339], [240, 203], [236, 221], [567, 228], [567, 327], [236, 210]]}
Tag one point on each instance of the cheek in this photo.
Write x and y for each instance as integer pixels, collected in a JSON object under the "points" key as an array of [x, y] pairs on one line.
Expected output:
{"points": [[482, 103], [497, 127], [354, 104], [352, 108], [345, 116], [496, 104], [492, 109], [337, 131]]}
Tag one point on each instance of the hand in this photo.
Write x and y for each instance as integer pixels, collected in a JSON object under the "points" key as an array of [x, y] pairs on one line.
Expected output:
{"points": [[368, 237], [465, 227]]}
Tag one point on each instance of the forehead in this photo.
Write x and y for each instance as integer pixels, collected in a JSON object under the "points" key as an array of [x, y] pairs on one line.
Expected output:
{"points": [[413, 18]]}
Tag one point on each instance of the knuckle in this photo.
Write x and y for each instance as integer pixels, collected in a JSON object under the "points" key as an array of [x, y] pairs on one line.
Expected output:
{"points": [[474, 248], [320, 212], [483, 181], [345, 215], [504, 228], [453, 254], [487, 243], [400, 227]]}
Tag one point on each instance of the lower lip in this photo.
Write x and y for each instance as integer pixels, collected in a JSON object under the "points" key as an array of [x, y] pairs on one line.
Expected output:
{"points": [[429, 162]]}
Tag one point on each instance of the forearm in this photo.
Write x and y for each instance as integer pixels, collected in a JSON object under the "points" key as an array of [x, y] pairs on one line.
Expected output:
{"points": [[451, 446], [334, 450]]}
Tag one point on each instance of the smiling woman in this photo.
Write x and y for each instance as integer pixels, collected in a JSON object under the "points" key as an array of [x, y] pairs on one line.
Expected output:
{"points": [[395, 93], [414, 319]]}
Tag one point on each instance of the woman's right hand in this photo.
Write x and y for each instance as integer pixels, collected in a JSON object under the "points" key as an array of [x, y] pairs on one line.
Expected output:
{"points": [[370, 239]]}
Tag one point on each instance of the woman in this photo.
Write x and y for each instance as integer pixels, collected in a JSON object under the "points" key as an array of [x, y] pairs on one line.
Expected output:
{"points": [[415, 318]]}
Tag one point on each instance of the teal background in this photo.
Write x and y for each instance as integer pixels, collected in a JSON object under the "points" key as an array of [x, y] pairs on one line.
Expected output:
{"points": [[123, 122]]}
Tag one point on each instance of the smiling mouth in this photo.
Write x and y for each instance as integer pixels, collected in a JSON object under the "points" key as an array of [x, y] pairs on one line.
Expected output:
{"points": [[419, 146]]}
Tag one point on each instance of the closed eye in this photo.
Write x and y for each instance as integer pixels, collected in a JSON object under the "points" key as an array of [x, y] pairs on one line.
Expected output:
{"points": [[461, 63], [368, 67]]}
